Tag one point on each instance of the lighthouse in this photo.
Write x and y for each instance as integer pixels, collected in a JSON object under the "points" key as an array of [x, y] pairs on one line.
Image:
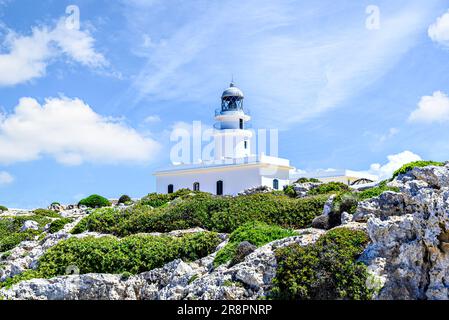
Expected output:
{"points": [[231, 135], [233, 167]]}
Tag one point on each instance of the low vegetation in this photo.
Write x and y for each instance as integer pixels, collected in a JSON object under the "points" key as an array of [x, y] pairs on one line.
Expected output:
{"points": [[58, 225], [305, 180], [124, 199], [134, 254], [327, 269], [3, 209], [10, 235], [256, 233], [46, 213], [95, 201], [328, 188], [220, 214]]}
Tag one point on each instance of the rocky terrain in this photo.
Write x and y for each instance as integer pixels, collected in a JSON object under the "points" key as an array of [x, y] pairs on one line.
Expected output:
{"points": [[407, 257]]}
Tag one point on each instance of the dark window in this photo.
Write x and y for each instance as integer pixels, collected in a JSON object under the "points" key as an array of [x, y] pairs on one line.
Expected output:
{"points": [[246, 144], [241, 123], [196, 186], [219, 188], [170, 188], [275, 184]]}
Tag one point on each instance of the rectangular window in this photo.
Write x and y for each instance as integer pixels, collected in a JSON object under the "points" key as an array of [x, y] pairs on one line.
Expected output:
{"points": [[246, 144], [241, 123]]}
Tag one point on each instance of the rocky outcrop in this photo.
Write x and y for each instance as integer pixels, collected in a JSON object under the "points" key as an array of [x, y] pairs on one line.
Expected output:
{"points": [[302, 189], [250, 279], [26, 254], [29, 225], [324, 221], [409, 254], [255, 190]]}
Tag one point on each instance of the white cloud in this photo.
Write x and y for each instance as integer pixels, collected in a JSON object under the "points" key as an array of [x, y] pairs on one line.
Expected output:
{"points": [[434, 108], [395, 161], [71, 132], [439, 31], [5, 178], [29, 56]]}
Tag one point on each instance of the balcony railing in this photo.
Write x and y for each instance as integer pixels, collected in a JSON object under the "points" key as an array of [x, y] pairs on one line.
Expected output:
{"points": [[246, 126], [218, 112]]}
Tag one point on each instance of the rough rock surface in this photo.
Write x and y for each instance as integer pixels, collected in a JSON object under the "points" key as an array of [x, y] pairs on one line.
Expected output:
{"points": [[249, 279], [409, 253], [302, 189], [243, 249], [25, 255], [260, 189], [29, 225], [324, 221]]}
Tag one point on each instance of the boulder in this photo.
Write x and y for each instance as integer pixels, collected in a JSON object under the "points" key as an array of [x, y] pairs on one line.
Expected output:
{"points": [[386, 205], [302, 189], [243, 249], [346, 218], [29, 225], [321, 222], [408, 257], [56, 207]]}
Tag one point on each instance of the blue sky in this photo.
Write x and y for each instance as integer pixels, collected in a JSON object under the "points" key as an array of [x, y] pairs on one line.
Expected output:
{"points": [[89, 110]]}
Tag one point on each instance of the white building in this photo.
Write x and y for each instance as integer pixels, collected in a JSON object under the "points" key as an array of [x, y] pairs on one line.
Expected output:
{"points": [[233, 168]]}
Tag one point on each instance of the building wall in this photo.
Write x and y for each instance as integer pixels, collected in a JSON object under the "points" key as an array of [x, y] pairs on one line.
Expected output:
{"points": [[234, 180]]}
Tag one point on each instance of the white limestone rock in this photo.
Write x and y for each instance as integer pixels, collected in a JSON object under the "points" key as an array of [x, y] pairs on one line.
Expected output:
{"points": [[29, 225]]}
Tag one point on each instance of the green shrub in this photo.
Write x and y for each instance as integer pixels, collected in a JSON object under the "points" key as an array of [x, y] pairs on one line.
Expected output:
{"points": [[59, 224], [124, 199], [95, 201], [376, 191], [409, 166], [134, 254], [156, 200], [46, 213], [344, 202], [327, 269], [3, 208], [10, 235], [55, 203], [220, 214], [305, 180], [331, 187], [256, 233], [290, 191]]}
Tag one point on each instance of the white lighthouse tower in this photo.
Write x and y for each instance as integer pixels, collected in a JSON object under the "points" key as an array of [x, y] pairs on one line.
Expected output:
{"points": [[234, 168], [232, 139]]}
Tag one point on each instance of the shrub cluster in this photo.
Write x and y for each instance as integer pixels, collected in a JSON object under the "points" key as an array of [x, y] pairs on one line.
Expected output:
{"points": [[95, 201], [220, 214], [256, 233], [327, 269], [3, 208], [376, 191], [409, 166], [10, 235], [290, 191], [57, 225], [156, 200], [305, 180], [124, 199], [46, 213], [134, 254], [330, 187]]}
